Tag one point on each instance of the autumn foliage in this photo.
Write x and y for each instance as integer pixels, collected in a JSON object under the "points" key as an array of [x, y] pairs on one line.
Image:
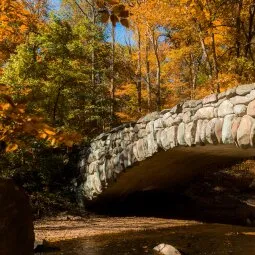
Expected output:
{"points": [[63, 75], [16, 126], [16, 23]]}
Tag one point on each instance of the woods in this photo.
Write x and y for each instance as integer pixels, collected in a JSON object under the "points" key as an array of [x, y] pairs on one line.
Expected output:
{"points": [[66, 77], [64, 65]]}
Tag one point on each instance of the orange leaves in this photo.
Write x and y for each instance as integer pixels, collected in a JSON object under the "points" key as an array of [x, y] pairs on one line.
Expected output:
{"points": [[15, 22], [114, 19], [105, 16], [4, 107], [49, 131], [112, 10], [124, 22], [16, 126], [112, 2], [11, 147]]}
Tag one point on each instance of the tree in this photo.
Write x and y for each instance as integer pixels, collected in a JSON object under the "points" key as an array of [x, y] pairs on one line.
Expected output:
{"points": [[16, 22]]}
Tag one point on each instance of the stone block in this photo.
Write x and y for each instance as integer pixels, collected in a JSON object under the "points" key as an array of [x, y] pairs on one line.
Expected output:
{"points": [[203, 131], [227, 129], [210, 99], [204, 113], [245, 89], [240, 109], [218, 129], [190, 133], [210, 132], [244, 131], [181, 134], [234, 128], [225, 108], [251, 109]]}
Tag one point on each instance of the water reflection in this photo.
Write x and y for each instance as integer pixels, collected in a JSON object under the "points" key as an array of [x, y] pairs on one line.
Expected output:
{"points": [[205, 239]]}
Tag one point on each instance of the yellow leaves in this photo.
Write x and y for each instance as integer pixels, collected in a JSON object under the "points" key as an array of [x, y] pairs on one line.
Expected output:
{"points": [[16, 124], [15, 22], [11, 147], [126, 117], [42, 135], [48, 131], [4, 107]]}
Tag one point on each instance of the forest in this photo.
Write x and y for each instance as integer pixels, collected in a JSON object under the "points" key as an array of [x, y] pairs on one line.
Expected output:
{"points": [[70, 73]]}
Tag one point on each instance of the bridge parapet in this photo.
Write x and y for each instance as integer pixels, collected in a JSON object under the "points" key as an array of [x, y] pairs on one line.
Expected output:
{"points": [[225, 118]]}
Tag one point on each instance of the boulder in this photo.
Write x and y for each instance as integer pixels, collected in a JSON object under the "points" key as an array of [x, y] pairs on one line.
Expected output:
{"points": [[218, 129], [173, 136], [187, 117], [203, 131], [240, 109], [166, 249], [230, 92], [16, 228], [243, 99], [225, 108], [210, 99], [251, 109], [210, 134], [244, 130], [226, 129], [165, 139], [235, 126], [244, 89], [181, 134], [204, 113], [198, 131], [190, 133]]}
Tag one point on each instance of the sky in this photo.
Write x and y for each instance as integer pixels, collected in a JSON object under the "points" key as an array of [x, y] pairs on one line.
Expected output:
{"points": [[122, 34]]}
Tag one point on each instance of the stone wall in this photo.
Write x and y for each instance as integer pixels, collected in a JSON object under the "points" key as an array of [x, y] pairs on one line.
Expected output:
{"points": [[225, 118]]}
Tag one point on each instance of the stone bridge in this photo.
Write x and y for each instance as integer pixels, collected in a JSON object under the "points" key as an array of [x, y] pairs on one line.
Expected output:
{"points": [[165, 149]]}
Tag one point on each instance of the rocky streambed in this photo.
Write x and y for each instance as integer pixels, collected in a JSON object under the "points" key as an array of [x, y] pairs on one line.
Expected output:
{"points": [[138, 235]]}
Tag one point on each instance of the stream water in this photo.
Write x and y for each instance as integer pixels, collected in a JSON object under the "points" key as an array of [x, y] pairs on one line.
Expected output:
{"points": [[206, 239]]}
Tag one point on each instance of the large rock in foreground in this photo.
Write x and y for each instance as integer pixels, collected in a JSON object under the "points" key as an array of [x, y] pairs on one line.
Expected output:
{"points": [[16, 224], [166, 249]]}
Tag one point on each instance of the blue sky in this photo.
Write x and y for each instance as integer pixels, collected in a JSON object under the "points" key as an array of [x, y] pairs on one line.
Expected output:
{"points": [[122, 34]]}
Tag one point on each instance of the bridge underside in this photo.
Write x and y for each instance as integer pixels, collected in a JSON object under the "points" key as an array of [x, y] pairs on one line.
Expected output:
{"points": [[169, 169], [158, 185]]}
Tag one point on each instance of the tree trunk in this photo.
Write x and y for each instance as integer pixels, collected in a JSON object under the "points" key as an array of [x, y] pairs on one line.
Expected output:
{"points": [[158, 72], [158, 84], [215, 63], [56, 104], [139, 75], [238, 29], [112, 76], [205, 54], [250, 33], [148, 77], [193, 76], [93, 19]]}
